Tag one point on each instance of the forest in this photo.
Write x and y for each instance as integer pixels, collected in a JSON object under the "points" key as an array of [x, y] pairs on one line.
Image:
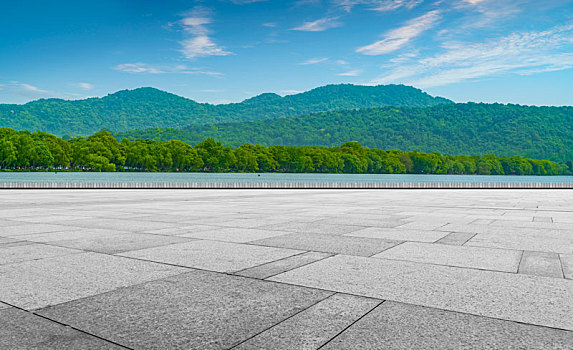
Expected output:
{"points": [[461, 128], [40, 151]]}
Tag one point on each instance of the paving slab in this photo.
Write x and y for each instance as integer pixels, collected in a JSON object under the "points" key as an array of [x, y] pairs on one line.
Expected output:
{"points": [[523, 242], [336, 244], [401, 326], [39, 283], [471, 257], [567, 265], [456, 238], [131, 225], [522, 298], [313, 227], [313, 327], [27, 229], [21, 330], [195, 310], [213, 255], [541, 264], [282, 265], [399, 234], [233, 234], [73, 234], [121, 243], [181, 230], [19, 253], [364, 221]]}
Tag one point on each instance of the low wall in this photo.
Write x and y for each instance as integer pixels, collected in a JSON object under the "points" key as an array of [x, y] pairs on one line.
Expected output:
{"points": [[293, 185]]}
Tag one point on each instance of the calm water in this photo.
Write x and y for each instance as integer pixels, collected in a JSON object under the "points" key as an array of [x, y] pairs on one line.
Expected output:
{"points": [[266, 178]]}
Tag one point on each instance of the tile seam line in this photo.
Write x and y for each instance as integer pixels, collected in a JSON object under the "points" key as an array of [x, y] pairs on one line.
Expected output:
{"points": [[284, 320], [32, 312], [350, 325], [431, 307], [270, 262]]}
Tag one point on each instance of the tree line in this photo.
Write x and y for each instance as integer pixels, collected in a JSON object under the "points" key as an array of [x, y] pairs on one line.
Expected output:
{"points": [[40, 151]]}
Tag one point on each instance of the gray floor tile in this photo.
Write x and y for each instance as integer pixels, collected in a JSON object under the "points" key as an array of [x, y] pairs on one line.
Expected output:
{"points": [[50, 281], [515, 297], [399, 234], [472, 257], [313, 227], [131, 225], [74, 234], [523, 242], [195, 310], [175, 231], [541, 264], [402, 326], [212, 255], [19, 253], [234, 234], [314, 326], [282, 265], [121, 242], [21, 330], [27, 229], [456, 238], [336, 244]]}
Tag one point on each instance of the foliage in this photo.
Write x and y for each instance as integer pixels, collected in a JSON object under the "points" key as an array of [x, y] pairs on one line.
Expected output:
{"points": [[151, 108], [504, 130], [23, 150]]}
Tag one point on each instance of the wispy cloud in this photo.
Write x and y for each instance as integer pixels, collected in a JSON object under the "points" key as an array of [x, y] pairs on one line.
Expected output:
{"points": [[319, 25], [352, 73], [137, 68], [162, 69], [270, 25], [378, 5], [290, 92], [314, 61], [32, 88], [244, 2], [195, 23], [521, 53], [84, 86], [397, 38]]}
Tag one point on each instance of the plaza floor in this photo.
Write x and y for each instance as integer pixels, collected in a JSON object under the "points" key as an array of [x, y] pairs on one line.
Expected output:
{"points": [[286, 269]]}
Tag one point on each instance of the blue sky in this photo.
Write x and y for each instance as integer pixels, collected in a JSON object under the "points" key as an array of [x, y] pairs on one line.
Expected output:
{"points": [[218, 51]]}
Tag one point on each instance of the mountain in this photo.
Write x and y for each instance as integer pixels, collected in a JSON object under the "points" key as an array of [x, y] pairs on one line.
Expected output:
{"points": [[470, 128], [151, 108]]}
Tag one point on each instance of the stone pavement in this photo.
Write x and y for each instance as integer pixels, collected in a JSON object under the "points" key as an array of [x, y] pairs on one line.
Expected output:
{"points": [[286, 269]]}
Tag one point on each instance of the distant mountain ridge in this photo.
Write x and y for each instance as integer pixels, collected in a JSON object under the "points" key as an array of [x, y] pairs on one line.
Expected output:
{"points": [[147, 107]]}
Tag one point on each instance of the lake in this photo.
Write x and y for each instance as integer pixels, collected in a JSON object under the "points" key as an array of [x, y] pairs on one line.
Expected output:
{"points": [[78, 177]]}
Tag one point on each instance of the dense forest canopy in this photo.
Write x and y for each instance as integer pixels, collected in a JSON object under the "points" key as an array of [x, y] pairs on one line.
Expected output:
{"points": [[151, 108], [469, 128], [40, 151]]}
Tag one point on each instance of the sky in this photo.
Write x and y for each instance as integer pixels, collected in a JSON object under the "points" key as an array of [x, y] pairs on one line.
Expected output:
{"points": [[221, 51]]}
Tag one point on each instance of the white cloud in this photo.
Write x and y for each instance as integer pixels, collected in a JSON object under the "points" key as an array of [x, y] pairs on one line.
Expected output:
{"points": [[194, 22], [314, 61], [290, 92], [378, 5], [351, 73], [149, 69], [84, 86], [201, 46], [521, 53], [397, 38], [137, 68], [32, 88], [341, 62], [270, 25], [244, 2], [319, 25]]}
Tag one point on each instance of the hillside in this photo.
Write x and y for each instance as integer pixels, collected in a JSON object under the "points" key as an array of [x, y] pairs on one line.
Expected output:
{"points": [[151, 108], [503, 130]]}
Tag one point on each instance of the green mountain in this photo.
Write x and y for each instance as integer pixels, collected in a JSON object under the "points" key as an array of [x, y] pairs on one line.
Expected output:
{"points": [[478, 129], [151, 108]]}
